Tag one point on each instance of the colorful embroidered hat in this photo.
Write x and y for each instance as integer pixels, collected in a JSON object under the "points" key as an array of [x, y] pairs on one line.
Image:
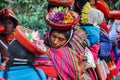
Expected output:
{"points": [[30, 40], [103, 6], [62, 19], [64, 3], [6, 12], [114, 14]]}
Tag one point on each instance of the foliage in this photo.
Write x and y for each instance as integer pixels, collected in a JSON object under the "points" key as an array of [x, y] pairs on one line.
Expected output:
{"points": [[117, 5], [30, 13]]}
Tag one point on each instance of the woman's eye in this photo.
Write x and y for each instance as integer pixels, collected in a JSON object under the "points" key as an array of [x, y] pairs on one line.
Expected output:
{"points": [[53, 36], [10, 23], [61, 39]]}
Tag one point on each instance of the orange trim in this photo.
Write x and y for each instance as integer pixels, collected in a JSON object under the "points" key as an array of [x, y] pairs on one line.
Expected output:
{"points": [[67, 26], [26, 43]]}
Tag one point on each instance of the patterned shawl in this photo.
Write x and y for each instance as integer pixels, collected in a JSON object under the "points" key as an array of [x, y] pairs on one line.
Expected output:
{"points": [[64, 62]]}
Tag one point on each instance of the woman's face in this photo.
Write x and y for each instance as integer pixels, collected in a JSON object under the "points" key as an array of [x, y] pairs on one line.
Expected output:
{"points": [[57, 39], [92, 2], [9, 26]]}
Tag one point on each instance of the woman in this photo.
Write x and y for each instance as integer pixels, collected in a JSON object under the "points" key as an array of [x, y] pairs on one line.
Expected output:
{"points": [[20, 64], [9, 21], [60, 63], [90, 23]]}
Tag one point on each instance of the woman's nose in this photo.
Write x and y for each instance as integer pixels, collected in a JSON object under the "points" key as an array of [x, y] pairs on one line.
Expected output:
{"points": [[56, 41]]}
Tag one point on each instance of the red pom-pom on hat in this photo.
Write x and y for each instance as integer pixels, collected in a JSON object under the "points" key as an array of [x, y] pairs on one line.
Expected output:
{"points": [[114, 14], [102, 5], [104, 26]]}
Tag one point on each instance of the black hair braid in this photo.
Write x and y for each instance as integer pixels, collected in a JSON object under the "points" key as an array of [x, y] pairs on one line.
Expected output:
{"points": [[37, 72]]}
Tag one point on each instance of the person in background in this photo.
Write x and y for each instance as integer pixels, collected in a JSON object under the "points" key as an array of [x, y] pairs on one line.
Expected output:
{"points": [[60, 55], [20, 64], [106, 44], [60, 62], [9, 21], [90, 23]]}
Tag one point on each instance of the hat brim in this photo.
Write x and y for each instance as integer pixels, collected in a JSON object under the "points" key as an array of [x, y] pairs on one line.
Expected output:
{"points": [[15, 19], [26, 42], [61, 3], [64, 26]]}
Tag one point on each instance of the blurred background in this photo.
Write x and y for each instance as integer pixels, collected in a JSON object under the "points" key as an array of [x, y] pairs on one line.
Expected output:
{"points": [[31, 12]]}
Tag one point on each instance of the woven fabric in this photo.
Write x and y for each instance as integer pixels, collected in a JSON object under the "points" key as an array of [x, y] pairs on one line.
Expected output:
{"points": [[44, 62], [93, 34], [105, 45], [77, 40], [64, 62]]}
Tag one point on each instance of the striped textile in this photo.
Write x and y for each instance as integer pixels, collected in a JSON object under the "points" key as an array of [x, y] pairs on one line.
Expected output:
{"points": [[77, 40], [64, 62], [118, 65], [45, 63]]}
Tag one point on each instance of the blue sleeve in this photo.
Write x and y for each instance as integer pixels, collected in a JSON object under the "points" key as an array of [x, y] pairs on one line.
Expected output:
{"points": [[93, 34], [1, 74], [43, 75]]}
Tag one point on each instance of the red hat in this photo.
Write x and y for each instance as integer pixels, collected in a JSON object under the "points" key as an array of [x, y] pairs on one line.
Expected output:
{"points": [[6, 12], [102, 5], [22, 38], [114, 14], [64, 3], [63, 26]]}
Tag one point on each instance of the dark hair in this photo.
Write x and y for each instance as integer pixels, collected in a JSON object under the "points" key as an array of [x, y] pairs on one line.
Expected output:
{"points": [[65, 32], [15, 23], [81, 3], [16, 50]]}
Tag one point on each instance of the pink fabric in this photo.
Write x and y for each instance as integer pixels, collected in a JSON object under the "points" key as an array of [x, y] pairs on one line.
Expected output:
{"points": [[118, 65], [94, 50], [64, 63], [112, 54], [45, 63], [91, 74]]}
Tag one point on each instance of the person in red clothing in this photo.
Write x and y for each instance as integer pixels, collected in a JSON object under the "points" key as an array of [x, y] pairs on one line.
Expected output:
{"points": [[8, 21]]}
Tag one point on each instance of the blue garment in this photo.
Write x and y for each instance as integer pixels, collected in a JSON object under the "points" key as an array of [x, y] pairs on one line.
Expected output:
{"points": [[23, 73], [93, 34], [105, 45]]}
